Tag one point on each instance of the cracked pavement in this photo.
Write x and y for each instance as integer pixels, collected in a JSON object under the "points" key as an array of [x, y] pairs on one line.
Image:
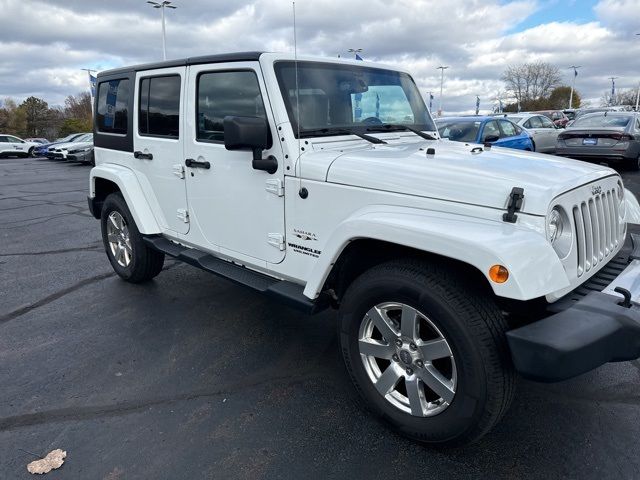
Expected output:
{"points": [[190, 376]]}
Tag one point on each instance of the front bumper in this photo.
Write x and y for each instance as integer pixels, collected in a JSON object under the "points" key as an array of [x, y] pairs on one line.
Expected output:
{"points": [[591, 332]]}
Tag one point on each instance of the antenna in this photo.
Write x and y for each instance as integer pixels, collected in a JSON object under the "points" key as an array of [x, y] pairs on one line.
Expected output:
{"points": [[301, 191]]}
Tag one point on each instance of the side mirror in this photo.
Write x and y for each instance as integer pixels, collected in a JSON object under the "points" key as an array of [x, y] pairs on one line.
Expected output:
{"points": [[491, 138], [250, 133]]}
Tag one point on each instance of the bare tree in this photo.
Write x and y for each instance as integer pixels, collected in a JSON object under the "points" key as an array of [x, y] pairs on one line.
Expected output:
{"points": [[529, 82]]}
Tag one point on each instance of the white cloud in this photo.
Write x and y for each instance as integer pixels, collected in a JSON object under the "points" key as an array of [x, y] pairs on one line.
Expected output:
{"points": [[47, 43]]}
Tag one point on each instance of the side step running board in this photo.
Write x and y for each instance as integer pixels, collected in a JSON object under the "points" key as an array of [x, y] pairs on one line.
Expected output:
{"points": [[287, 292]]}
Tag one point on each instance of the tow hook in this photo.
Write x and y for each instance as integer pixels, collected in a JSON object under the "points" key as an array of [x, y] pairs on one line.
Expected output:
{"points": [[626, 303]]}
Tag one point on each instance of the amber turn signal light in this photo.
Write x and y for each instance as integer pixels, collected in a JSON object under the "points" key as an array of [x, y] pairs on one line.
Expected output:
{"points": [[499, 274]]}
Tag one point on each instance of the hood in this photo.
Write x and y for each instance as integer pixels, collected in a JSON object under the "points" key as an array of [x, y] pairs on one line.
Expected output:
{"points": [[454, 173]]}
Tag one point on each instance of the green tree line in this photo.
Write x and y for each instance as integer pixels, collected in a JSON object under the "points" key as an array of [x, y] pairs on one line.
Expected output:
{"points": [[35, 118]]}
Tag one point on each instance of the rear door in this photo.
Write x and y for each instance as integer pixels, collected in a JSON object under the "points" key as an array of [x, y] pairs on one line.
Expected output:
{"points": [[158, 143], [548, 136], [511, 136]]}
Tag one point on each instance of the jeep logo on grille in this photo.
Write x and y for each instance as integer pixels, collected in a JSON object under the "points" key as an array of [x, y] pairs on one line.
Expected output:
{"points": [[596, 190]]}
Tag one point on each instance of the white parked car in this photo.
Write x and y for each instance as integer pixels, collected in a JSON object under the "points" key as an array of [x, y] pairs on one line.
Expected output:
{"points": [[12, 146], [59, 151], [544, 134], [321, 183]]}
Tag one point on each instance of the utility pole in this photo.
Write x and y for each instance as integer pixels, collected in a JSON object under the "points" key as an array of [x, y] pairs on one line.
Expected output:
{"points": [[162, 6], [442, 68], [573, 83]]}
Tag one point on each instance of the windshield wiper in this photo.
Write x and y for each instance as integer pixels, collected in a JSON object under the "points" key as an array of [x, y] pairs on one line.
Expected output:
{"points": [[391, 126], [339, 131]]}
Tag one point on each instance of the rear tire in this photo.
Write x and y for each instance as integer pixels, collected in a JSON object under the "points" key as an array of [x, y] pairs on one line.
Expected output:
{"points": [[478, 374], [131, 258]]}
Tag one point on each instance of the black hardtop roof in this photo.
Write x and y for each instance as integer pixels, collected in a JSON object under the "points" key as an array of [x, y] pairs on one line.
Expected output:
{"points": [[219, 58]]}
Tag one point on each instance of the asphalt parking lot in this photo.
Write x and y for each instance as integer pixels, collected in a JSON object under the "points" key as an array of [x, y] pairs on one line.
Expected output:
{"points": [[190, 376]]}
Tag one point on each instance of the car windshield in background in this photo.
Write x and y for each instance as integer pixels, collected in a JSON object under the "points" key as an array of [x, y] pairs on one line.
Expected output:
{"points": [[333, 98], [602, 121], [514, 119], [459, 131]]}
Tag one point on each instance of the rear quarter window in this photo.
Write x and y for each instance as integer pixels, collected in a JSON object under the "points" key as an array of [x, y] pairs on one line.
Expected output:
{"points": [[113, 106]]}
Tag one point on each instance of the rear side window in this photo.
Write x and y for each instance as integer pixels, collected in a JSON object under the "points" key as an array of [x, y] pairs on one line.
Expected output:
{"points": [[226, 93], [159, 107], [508, 128], [112, 115]]}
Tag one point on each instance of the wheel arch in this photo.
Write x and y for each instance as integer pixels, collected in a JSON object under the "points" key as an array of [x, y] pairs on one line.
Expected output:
{"points": [[107, 179], [470, 244]]}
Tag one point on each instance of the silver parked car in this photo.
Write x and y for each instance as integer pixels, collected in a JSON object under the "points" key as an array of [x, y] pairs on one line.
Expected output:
{"points": [[603, 136], [544, 134]]}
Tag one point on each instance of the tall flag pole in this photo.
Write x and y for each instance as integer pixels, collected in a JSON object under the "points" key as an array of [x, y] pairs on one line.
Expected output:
{"points": [[92, 85], [431, 97], [613, 90], [477, 104], [573, 83]]}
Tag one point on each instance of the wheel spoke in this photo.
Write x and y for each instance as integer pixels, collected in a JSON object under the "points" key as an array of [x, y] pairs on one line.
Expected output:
{"points": [[127, 256], [434, 349], [408, 325], [120, 254], [387, 381], [436, 382], [376, 349], [112, 219], [112, 237], [381, 321], [415, 393]]}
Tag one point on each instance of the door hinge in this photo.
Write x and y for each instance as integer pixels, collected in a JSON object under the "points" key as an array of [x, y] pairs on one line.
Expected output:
{"points": [[183, 214], [178, 171], [276, 240], [514, 204], [275, 186]]}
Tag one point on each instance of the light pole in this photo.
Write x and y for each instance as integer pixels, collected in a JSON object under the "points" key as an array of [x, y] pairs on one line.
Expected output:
{"points": [[355, 51], [442, 68], [638, 94], [162, 6], [573, 83]]}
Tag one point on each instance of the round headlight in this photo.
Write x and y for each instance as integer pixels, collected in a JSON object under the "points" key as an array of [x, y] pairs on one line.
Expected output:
{"points": [[555, 225], [559, 231]]}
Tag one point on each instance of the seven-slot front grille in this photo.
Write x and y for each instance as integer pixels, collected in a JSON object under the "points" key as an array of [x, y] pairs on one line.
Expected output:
{"points": [[597, 229]]}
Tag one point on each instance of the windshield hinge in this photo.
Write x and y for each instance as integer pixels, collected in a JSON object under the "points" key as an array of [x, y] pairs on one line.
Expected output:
{"points": [[276, 240], [275, 186], [183, 214], [178, 171], [515, 204]]}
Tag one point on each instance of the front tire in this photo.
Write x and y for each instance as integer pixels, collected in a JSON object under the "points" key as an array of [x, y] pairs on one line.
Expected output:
{"points": [[426, 350], [130, 257], [633, 164]]}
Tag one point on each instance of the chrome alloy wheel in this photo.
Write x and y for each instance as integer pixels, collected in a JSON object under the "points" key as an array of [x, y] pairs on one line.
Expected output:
{"points": [[407, 358], [118, 238]]}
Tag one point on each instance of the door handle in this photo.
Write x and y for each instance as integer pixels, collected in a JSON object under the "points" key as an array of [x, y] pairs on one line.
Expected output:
{"points": [[143, 156], [190, 162]]}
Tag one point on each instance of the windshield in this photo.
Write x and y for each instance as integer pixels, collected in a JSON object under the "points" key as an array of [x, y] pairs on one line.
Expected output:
{"points": [[459, 131], [602, 121], [335, 97], [514, 119]]}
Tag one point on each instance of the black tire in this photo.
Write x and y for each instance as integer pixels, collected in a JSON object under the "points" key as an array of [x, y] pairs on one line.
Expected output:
{"points": [[469, 321], [145, 262], [533, 146], [31, 152]]}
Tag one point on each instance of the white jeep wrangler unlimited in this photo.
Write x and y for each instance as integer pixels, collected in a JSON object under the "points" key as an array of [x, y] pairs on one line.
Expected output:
{"points": [[324, 183]]}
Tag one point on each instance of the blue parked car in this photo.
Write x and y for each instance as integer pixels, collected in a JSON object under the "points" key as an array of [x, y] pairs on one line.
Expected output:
{"points": [[42, 150], [478, 129]]}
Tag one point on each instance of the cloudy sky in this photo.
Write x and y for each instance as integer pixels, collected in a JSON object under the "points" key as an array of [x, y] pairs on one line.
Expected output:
{"points": [[44, 44]]}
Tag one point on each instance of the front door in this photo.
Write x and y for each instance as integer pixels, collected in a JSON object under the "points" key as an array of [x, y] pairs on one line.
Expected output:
{"points": [[158, 144], [237, 209]]}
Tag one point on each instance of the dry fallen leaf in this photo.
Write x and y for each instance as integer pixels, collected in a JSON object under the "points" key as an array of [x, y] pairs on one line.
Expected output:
{"points": [[53, 460]]}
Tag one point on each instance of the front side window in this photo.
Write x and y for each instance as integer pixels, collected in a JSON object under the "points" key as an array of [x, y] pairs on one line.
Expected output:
{"points": [[491, 129], [159, 106], [113, 98], [15, 140], [534, 122], [328, 99], [228, 93]]}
